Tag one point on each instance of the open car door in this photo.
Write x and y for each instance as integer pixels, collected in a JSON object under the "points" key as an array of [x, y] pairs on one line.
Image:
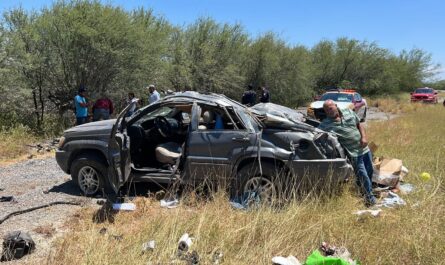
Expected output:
{"points": [[119, 152]]}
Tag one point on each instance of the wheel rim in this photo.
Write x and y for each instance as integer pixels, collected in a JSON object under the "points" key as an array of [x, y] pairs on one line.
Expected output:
{"points": [[262, 187], [88, 180]]}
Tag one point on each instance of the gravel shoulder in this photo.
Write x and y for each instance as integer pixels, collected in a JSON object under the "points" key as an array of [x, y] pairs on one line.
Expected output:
{"points": [[32, 183]]}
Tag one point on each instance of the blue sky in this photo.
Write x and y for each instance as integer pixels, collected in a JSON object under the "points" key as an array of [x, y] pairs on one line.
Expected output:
{"points": [[393, 24]]}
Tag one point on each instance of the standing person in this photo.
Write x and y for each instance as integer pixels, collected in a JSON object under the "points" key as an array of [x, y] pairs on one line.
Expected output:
{"points": [[154, 95], [133, 101], [102, 109], [352, 136], [249, 96], [81, 105], [264, 94]]}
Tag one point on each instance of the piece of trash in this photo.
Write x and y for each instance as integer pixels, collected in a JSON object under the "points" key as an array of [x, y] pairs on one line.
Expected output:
{"points": [[2, 189], [425, 176], [17, 244], [391, 201], [330, 255], [117, 237], [373, 213], [7, 199], [217, 257], [192, 258], [100, 202], [103, 230], [184, 242], [246, 201], [150, 245], [160, 195], [406, 188], [170, 204], [124, 206], [289, 260], [237, 205]]}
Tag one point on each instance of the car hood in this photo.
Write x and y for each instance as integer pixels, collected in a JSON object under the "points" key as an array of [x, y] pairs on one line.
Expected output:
{"points": [[319, 104], [97, 127]]}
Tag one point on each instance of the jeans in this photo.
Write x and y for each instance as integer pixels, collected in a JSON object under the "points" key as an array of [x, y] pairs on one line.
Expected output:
{"points": [[363, 172], [81, 120], [101, 114]]}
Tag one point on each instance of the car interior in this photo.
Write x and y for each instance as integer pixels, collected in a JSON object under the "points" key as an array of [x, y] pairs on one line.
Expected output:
{"points": [[157, 139]]}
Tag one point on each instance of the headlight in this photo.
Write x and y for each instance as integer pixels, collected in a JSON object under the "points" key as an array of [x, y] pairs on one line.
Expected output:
{"points": [[61, 141]]}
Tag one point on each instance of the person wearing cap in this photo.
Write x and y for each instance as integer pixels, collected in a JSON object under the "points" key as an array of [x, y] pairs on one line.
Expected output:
{"points": [[81, 105], [154, 95]]}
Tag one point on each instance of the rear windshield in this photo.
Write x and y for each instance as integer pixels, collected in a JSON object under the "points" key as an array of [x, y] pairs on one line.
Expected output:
{"points": [[424, 91], [340, 97]]}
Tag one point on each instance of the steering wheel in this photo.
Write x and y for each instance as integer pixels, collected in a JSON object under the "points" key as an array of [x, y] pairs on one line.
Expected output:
{"points": [[163, 126]]}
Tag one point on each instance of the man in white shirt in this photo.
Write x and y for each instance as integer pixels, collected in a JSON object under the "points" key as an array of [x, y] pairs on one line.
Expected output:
{"points": [[154, 95]]}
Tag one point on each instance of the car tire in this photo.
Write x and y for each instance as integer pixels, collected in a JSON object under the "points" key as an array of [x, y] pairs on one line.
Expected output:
{"points": [[89, 173], [249, 179]]}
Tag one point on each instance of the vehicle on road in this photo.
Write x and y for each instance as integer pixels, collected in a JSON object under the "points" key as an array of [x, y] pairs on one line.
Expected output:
{"points": [[425, 94], [192, 138], [347, 98]]}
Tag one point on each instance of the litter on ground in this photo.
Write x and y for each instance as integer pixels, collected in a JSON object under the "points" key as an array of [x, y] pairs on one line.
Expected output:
{"points": [[124, 206], [170, 204]]}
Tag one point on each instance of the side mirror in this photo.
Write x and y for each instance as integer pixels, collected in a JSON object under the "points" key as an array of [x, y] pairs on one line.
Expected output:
{"points": [[435, 92]]}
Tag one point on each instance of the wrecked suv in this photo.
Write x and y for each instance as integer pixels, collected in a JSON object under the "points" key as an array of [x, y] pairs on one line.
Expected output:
{"points": [[194, 138]]}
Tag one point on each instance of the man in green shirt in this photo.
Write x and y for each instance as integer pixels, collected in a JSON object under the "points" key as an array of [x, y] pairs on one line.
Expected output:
{"points": [[352, 136]]}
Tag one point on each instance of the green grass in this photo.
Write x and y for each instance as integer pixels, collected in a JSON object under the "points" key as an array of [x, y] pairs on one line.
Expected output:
{"points": [[413, 234]]}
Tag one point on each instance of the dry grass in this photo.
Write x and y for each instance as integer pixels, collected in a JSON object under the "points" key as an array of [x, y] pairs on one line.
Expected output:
{"points": [[413, 234], [13, 142]]}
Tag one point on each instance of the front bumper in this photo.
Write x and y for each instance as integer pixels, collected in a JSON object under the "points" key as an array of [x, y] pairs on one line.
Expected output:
{"points": [[425, 100], [62, 158], [320, 173]]}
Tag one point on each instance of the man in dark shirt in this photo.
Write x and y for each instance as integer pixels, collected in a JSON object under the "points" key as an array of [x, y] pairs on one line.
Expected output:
{"points": [[249, 97], [264, 94]]}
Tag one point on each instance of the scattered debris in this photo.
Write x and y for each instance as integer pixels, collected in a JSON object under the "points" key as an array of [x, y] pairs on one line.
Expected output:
{"points": [[103, 230], [7, 199], [117, 237], [374, 213], [391, 201], [217, 257], [148, 246], [47, 146], [330, 255], [17, 244], [124, 206], [2, 189], [290, 260], [184, 243], [30, 156], [170, 204], [159, 195], [425, 176], [388, 171], [101, 202], [406, 188], [246, 201]]}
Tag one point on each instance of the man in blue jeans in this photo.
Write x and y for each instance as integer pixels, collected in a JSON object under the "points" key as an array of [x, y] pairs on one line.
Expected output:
{"points": [[352, 136], [81, 106]]}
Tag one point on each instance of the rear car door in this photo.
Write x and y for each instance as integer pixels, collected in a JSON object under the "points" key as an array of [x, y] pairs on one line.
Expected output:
{"points": [[119, 152], [213, 152]]}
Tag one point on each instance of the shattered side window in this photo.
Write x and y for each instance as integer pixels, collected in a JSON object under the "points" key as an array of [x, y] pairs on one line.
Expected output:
{"points": [[248, 121]]}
